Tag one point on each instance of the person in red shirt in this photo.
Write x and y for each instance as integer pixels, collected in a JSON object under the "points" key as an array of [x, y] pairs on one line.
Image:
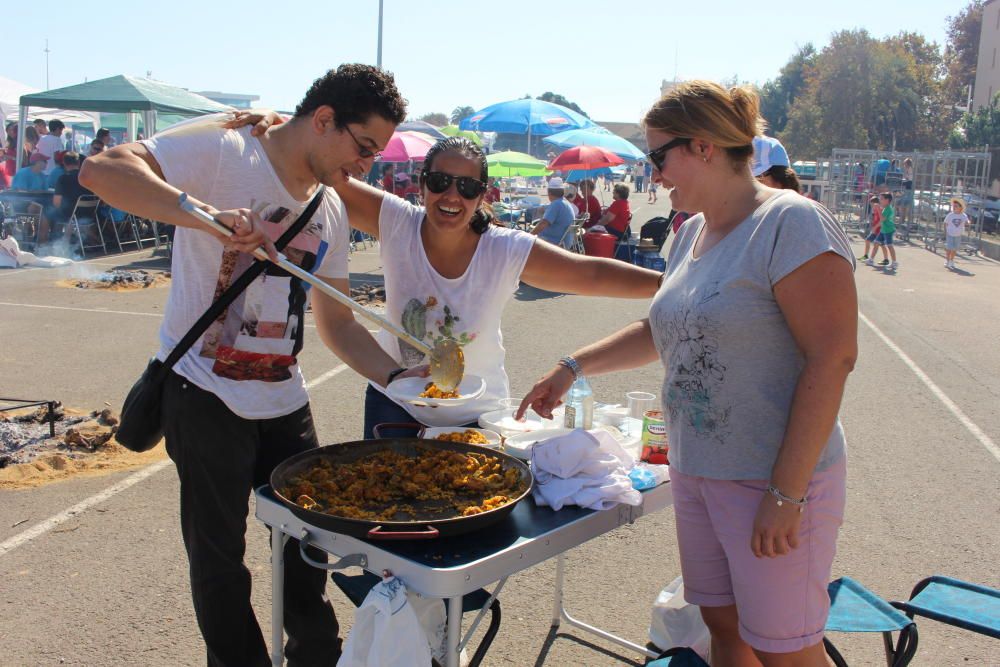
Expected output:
{"points": [[586, 202], [618, 215], [387, 175], [407, 188], [493, 192]]}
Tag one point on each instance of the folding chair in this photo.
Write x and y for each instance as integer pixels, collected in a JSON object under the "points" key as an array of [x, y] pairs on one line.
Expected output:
{"points": [[955, 602], [572, 239], [356, 587], [122, 228], [854, 608], [87, 205], [679, 656], [624, 250]]}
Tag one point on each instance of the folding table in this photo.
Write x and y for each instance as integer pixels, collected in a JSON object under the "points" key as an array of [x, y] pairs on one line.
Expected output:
{"points": [[449, 568]]}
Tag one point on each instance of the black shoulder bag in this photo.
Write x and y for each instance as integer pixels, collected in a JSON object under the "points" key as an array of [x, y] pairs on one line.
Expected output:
{"points": [[141, 426]]}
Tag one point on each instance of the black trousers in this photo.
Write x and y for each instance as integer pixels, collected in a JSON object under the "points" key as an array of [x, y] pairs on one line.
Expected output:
{"points": [[220, 458]]}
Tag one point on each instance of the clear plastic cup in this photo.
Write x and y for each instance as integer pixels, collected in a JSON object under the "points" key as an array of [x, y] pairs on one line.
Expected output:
{"points": [[638, 403]]}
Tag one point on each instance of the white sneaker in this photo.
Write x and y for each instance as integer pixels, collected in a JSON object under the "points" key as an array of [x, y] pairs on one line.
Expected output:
{"points": [[947, 264], [869, 262], [894, 266]]}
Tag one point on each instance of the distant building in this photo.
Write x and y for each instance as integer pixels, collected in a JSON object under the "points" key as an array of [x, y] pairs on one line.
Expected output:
{"points": [[237, 100], [630, 131], [987, 70]]}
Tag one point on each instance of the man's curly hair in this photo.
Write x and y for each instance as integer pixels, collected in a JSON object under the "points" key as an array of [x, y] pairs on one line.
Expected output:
{"points": [[355, 92]]}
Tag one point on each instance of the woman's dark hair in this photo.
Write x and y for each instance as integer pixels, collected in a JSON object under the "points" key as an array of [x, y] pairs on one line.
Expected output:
{"points": [[355, 92], [483, 216], [785, 177], [621, 191]]}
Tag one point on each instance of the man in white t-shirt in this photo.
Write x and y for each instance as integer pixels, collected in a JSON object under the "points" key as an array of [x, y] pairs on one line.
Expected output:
{"points": [[235, 405], [51, 143]]}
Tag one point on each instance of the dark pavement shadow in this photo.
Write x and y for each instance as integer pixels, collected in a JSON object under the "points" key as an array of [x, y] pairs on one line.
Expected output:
{"points": [[554, 634], [526, 292]]}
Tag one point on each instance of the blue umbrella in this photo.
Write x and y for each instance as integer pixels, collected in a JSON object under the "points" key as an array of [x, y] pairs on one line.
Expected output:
{"points": [[599, 137], [528, 116]]}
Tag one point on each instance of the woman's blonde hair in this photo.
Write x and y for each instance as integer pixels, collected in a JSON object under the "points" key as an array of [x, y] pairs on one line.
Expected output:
{"points": [[729, 119]]}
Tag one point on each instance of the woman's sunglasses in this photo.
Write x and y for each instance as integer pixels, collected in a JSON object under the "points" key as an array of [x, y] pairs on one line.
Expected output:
{"points": [[657, 155], [438, 182]]}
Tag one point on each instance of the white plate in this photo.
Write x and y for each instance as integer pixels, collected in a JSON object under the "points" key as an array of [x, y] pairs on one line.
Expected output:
{"points": [[492, 437], [408, 390], [503, 422], [520, 445]]}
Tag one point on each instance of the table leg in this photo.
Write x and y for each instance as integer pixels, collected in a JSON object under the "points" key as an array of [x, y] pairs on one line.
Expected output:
{"points": [[277, 597], [560, 614], [452, 658], [557, 607]]}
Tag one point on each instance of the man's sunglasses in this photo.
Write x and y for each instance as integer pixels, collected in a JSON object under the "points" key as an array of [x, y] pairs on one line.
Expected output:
{"points": [[657, 155], [363, 152], [438, 182]]}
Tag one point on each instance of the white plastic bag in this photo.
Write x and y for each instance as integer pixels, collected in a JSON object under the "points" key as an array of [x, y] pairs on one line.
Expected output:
{"points": [[676, 622], [386, 631]]}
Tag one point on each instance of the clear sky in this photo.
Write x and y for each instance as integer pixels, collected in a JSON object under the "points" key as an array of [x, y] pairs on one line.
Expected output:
{"points": [[608, 57]]}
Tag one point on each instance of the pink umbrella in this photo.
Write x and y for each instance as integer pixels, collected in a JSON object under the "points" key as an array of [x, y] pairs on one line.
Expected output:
{"points": [[406, 146]]}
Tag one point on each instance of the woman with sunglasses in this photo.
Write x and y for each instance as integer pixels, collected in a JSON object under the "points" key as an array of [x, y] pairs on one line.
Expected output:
{"points": [[756, 327], [450, 270]]}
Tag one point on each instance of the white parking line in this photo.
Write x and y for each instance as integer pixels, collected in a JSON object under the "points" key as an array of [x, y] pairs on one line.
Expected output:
{"points": [[64, 516], [80, 310], [971, 426], [40, 529]]}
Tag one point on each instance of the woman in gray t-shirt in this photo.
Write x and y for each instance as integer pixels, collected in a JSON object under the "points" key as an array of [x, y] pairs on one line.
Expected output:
{"points": [[755, 323]]}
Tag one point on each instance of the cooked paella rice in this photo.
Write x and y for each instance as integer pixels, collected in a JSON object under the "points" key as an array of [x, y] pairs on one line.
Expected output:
{"points": [[384, 486]]}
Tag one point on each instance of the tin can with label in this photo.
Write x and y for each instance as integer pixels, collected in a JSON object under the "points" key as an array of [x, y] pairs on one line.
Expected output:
{"points": [[654, 437]]}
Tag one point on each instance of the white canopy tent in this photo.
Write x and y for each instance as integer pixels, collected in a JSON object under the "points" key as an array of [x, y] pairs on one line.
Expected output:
{"points": [[10, 96]]}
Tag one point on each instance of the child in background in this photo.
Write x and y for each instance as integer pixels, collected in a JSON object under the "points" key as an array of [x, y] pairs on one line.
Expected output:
{"points": [[876, 227], [954, 227], [888, 229]]}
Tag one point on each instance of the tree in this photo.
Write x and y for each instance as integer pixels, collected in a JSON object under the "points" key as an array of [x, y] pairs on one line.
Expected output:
{"points": [[778, 96], [437, 119], [980, 128], [962, 52], [861, 92], [556, 98], [460, 113]]}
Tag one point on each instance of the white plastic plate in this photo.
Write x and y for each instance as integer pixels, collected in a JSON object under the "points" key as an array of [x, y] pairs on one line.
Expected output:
{"points": [[520, 445], [408, 390]]}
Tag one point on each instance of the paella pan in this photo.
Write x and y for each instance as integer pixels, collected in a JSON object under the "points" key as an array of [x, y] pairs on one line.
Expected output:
{"points": [[401, 488]]}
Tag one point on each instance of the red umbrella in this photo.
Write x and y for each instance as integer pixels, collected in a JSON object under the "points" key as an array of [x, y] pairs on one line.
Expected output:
{"points": [[585, 157]]}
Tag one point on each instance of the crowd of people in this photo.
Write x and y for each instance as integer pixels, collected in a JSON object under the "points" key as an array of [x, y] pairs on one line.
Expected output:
{"points": [[50, 172]]}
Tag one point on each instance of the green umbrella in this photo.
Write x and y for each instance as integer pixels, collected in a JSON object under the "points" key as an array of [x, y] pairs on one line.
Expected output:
{"points": [[512, 163], [453, 131]]}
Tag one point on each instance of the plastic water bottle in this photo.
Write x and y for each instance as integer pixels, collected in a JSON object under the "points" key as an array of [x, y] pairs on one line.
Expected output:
{"points": [[579, 405]]}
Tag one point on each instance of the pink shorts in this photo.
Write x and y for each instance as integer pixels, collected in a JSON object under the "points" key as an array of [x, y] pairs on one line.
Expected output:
{"points": [[782, 602]]}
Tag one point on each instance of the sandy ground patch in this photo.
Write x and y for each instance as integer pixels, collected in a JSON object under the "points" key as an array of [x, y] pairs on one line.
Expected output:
{"points": [[83, 445]]}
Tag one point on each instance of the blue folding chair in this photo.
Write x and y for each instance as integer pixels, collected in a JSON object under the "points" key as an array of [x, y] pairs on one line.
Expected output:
{"points": [[679, 656], [854, 608], [955, 602]]}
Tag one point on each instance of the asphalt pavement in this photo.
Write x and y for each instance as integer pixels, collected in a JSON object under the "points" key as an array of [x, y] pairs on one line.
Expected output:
{"points": [[107, 585]]}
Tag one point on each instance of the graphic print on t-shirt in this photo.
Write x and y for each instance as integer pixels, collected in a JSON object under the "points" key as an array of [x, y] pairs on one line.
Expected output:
{"points": [[695, 368], [259, 334], [415, 316]]}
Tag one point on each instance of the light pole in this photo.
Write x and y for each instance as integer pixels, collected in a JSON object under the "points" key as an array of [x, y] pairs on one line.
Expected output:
{"points": [[379, 60], [46, 63]]}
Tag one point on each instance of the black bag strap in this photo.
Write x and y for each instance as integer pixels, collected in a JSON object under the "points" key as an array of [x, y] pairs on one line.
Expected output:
{"points": [[239, 285]]}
